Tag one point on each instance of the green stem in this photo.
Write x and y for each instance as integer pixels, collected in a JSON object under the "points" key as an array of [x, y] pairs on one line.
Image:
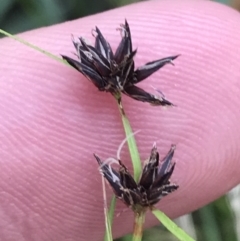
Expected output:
{"points": [[138, 225], [110, 217], [108, 225], [132, 146], [32, 46]]}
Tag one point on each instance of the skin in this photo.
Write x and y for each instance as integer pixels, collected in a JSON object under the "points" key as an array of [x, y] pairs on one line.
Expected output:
{"points": [[52, 119]]}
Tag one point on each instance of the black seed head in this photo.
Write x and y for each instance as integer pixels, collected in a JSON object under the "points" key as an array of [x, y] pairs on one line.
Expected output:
{"points": [[153, 185], [114, 72]]}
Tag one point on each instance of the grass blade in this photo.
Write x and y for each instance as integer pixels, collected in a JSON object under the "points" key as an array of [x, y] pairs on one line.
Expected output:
{"points": [[171, 226]]}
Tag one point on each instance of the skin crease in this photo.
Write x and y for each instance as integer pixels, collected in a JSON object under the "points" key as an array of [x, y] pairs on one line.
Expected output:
{"points": [[52, 119]]}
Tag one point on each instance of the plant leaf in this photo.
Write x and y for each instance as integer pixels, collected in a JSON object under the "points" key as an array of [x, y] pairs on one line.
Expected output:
{"points": [[171, 226]]}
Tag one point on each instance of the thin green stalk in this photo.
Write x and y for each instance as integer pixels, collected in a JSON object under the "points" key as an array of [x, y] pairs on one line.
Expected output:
{"points": [[108, 224], [110, 216], [32, 46], [132, 146], [171, 226], [134, 157], [139, 219]]}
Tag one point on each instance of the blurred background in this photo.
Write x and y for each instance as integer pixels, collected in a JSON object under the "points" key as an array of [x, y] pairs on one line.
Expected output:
{"points": [[218, 221], [20, 15]]}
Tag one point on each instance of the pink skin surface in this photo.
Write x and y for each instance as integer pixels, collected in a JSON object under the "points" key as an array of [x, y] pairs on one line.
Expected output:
{"points": [[53, 119]]}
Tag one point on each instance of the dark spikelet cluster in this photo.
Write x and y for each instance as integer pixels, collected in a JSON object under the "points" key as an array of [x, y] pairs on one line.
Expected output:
{"points": [[154, 182], [114, 72]]}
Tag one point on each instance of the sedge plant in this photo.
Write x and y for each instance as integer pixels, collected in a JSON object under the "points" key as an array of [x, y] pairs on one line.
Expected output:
{"points": [[115, 73]]}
